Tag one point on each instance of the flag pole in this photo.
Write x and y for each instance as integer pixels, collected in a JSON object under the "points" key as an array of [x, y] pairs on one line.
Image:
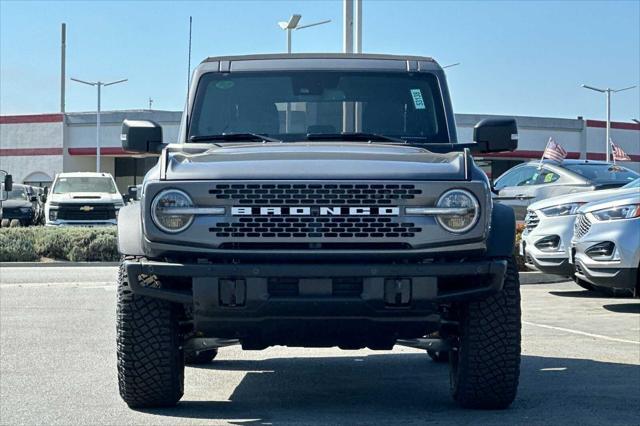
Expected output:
{"points": [[543, 152], [612, 151]]}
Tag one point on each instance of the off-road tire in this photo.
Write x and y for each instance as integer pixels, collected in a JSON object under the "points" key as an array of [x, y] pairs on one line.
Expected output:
{"points": [[485, 367], [202, 357], [149, 351], [438, 356]]}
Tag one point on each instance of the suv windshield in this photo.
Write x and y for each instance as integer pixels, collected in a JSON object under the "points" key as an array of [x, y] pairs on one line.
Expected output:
{"points": [[603, 173], [290, 105], [84, 184]]}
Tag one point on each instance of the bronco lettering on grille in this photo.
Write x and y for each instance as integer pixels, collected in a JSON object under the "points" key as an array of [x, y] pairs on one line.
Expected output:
{"points": [[315, 211]]}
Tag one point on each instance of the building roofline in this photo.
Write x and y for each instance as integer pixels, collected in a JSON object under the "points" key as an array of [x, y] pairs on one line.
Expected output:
{"points": [[31, 118]]}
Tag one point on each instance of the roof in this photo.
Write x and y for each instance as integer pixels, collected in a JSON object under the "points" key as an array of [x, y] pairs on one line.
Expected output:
{"points": [[318, 56], [568, 161], [83, 174]]}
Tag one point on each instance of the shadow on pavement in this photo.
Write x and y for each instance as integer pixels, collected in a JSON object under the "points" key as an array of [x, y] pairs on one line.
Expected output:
{"points": [[580, 293], [624, 308], [409, 388]]}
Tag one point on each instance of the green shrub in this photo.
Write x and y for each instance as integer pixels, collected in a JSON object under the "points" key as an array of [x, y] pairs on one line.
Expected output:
{"points": [[73, 243]]}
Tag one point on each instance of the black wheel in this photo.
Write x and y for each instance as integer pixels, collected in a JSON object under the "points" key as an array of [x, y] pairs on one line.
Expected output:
{"points": [[202, 357], [583, 284], [438, 356], [485, 367], [149, 351]]}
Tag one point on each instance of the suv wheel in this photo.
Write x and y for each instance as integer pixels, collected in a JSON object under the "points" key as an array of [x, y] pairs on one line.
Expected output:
{"points": [[149, 351], [485, 368]]}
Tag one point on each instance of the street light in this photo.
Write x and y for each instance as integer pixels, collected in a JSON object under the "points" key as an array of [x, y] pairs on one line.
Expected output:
{"points": [[292, 24], [608, 91], [99, 85]]}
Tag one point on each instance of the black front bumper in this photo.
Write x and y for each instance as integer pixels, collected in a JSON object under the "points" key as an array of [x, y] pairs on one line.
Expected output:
{"points": [[246, 300]]}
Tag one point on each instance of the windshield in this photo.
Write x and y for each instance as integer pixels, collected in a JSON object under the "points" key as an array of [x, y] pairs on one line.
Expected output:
{"points": [[290, 105], [633, 184], [17, 194], [601, 173], [84, 184]]}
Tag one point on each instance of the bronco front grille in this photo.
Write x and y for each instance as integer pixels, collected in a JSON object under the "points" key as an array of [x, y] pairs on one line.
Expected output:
{"points": [[582, 226], [309, 194]]}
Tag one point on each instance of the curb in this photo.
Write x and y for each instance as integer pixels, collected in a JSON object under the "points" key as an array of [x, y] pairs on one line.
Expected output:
{"points": [[541, 278], [55, 264]]}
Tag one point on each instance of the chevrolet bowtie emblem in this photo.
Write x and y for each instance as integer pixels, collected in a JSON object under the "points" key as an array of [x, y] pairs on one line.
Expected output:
{"points": [[86, 208]]}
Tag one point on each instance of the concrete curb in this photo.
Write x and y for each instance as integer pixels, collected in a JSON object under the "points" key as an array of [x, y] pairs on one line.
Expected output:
{"points": [[54, 264], [540, 278]]}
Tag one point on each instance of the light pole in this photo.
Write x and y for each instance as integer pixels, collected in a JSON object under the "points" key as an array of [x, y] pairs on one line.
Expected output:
{"points": [[99, 85], [292, 24], [608, 91]]}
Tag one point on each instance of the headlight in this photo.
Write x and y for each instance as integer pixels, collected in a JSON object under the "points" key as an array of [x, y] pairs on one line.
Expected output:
{"points": [[561, 209], [458, 223], [164, 218], [615, 213]]}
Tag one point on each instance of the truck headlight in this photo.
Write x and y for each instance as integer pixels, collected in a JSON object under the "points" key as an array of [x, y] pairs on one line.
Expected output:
{"points": [[561, 209], [164, 212], [616, 213], [460, 199]]}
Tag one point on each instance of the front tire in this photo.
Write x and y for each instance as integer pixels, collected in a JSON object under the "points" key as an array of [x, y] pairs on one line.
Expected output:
{"points": [[149, 352], [485, 368]]}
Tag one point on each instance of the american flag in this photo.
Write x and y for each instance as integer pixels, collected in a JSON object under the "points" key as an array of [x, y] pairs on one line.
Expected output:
{"points": [[618, 153], [553, 151]]}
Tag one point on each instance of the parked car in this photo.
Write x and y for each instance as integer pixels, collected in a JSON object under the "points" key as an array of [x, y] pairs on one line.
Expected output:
{"points": [[605, 249], [83, 199], [527, 183], [546, 240], [21, 208]]}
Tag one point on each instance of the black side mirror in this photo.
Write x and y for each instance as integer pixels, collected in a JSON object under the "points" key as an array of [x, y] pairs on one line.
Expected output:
{"points": [[8, 183], [132, 192], [141, 136], [126, 198], [496, 135]]}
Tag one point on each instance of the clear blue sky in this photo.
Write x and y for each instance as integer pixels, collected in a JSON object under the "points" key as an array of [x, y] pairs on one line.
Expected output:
{"points": [[521, 58]]}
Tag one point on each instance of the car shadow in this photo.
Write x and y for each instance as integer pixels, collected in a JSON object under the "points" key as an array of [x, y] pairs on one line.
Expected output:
{"points": [[580, 293], [409, 388], [624, 308]]}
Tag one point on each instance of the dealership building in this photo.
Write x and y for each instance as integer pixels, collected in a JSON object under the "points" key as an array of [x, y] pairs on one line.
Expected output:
{"points": [[34, 148]]}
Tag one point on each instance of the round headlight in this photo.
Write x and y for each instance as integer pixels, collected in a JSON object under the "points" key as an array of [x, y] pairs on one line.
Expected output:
{"points": [[459, 199], [164, 218]]}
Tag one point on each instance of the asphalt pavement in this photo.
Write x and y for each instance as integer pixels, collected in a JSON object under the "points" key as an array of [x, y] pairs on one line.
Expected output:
{"points": [[580, 365]]}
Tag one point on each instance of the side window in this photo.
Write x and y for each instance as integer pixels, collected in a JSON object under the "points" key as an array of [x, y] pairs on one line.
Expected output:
{"points": [[526, 176], [508, 179], [545, 176]]}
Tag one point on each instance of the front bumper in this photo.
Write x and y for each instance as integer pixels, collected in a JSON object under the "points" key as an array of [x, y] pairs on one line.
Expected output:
{"points": [[550, 261], [397, 300]]}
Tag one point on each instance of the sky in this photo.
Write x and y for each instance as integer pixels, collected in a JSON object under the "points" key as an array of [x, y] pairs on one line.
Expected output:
{"points": [[517, 58]]}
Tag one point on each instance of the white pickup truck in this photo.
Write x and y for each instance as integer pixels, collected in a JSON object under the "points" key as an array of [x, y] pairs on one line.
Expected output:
{"points": [[83, 199]]}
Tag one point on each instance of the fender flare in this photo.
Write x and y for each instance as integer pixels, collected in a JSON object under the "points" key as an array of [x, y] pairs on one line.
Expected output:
{"points": [[130, 230], [502, 237]]}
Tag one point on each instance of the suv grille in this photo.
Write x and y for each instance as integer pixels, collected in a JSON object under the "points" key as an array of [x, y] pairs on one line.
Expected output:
{"points": [[531, 220], [582, 226], [308, 194], [88, 211], [312, 227]]}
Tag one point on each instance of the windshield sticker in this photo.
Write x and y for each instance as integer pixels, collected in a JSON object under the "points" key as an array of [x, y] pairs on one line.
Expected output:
{"points": [[225, 84], [418, 102]]}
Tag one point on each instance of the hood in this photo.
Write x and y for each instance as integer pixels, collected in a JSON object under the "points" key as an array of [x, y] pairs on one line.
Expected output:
{"points": [[629, 197], [13, 204], [315, 160], [580, 197], [85, 197]]}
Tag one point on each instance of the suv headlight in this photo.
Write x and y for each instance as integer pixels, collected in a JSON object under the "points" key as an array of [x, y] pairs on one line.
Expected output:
{"points": [[615, 213], [459, 223], [561, 209], [165, 216]]}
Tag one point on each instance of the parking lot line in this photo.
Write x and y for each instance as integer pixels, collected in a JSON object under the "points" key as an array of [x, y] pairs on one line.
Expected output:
{"points": [[595, 336]]}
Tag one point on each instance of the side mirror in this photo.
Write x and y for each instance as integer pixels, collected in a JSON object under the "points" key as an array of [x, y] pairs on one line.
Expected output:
{"points": [[126, 198], [132, 192], [141, 137], [45, 192], [8, 182], [33, 198], [496, 135]]}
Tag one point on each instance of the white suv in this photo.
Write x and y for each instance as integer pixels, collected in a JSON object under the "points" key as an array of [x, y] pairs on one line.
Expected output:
{"points": [[83, 198]]}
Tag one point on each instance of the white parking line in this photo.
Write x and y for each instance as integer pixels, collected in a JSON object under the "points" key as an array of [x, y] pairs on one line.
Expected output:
{"points": [[93, 284], [595, 336]]}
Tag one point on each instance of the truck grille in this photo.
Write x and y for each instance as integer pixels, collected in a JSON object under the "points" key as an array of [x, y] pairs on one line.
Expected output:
{"points": [[309, 194], [531, 220], [86, 212], [582, 226], [315, 227]]}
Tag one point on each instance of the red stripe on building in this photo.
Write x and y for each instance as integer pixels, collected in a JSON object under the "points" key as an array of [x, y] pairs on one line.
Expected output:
{"points": [[103, 151], [14, 152], [34, 118], [614, 125], [538, 154]]}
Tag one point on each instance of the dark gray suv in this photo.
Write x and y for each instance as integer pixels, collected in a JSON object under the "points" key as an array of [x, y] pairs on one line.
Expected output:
{"points": [[318, 200]]}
